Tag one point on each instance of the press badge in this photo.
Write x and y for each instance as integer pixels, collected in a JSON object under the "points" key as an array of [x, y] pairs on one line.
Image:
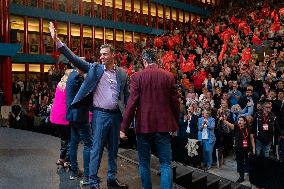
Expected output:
{"points": [[245, 143], [265, 127]]}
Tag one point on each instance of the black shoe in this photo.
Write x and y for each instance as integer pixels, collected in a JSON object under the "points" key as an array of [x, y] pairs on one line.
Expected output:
{"points": [[240, 180], [116, 184]]}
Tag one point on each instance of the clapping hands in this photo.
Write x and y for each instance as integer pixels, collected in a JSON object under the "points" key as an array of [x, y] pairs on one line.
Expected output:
{"points": [[123, 136]]}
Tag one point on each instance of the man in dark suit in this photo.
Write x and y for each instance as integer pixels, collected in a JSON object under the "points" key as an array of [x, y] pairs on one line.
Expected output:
{"points": [[154, 101], [107, 87], [189, 128], [78, 117]]}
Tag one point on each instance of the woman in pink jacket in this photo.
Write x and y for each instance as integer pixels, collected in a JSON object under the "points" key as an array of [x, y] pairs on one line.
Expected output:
{"points": [[58, 118]]}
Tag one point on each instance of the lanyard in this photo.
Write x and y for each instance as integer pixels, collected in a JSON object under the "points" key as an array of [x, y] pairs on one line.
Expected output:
{"points": [[265, 119], [245, 135]]}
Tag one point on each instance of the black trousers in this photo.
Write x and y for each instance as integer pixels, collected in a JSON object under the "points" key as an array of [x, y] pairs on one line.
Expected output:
{"points": [[242, 160], [64, 132]]}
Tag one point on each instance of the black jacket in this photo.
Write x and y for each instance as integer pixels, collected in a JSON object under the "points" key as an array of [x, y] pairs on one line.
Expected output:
{"points": [[265, 136], [79, 112]]}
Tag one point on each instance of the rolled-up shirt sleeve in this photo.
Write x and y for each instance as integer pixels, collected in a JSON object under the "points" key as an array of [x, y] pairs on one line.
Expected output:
{"points": [[59, 44]]}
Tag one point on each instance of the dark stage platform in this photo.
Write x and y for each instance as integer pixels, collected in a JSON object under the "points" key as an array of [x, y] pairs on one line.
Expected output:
{"points": [[27, 161]]}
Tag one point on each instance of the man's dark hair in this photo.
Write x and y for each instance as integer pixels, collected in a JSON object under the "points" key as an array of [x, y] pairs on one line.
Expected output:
{"points": [[111, 49], [149, 55]]}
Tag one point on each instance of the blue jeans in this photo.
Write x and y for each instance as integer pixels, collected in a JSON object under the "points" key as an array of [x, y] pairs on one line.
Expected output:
{"points": [[162, 142], [80, 131], [207, 152], [264, 148], [106, 127]]}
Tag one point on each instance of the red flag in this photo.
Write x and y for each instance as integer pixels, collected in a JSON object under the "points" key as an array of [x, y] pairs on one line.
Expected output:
{"points": [[171, 43], [190, 34], [205, 43], [281, 11], [217, 29], [192, 43], [252, 15], [199, 38], [234, 51], [202, 75], [275, 27], [246, 55], [256, 40], [222, 53], [236, 40], [259, 21], [233, 20], [242, 25], [274, 16], [226, 35], [246, 30], [177, 39], [273, 13], [158, 42], [129, 70], [168, 57], [188, 66]]}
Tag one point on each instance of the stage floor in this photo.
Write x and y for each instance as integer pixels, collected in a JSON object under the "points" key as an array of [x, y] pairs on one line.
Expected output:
{"points": [[27, 161]]}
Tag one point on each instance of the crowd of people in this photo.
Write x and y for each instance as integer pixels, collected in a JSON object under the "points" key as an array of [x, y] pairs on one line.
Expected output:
{"points": [[33, 99], [229, 73], [227, 66]]}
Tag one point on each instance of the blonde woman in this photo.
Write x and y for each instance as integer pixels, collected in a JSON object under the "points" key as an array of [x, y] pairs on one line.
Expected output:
{"points": [[206, 126], [58, 118]]}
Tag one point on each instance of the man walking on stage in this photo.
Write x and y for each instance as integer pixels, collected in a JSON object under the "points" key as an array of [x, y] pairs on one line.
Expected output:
{"points": [[107, 88], [154, 103]]}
